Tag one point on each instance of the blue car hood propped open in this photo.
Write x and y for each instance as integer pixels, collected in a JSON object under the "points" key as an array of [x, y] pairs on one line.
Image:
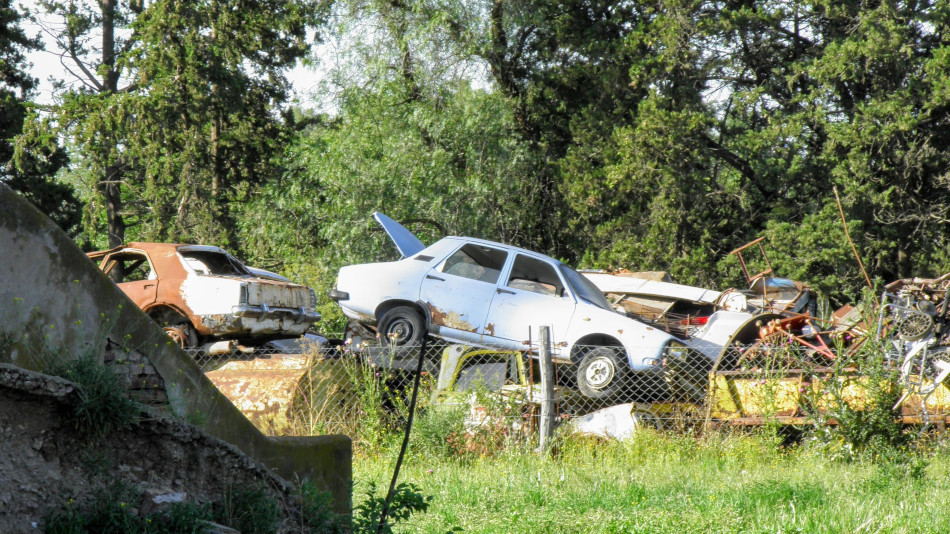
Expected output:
{"points": [[406, 242]]}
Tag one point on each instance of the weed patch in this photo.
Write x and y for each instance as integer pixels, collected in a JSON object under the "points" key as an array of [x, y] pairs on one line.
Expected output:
{"points": [[248, 509], [104, 406], [113, 511]]}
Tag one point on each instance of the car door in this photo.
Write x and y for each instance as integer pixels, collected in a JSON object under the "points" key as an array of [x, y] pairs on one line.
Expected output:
{"points": [[531, 295], [134, 275], [459, 291]]}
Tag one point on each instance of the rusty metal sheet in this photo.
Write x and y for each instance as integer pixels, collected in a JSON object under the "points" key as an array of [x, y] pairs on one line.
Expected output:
{"points": [[263, 388]]}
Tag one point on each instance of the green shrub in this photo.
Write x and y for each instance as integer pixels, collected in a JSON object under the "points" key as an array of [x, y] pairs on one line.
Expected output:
{"points": [[849, 428], [248, 509], [104, 406], [434, 426], [112, 511], [406, 501], [317, 513]]}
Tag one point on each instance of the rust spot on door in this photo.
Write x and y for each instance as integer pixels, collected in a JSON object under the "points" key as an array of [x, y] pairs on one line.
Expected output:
{"points": [[449, 319]]}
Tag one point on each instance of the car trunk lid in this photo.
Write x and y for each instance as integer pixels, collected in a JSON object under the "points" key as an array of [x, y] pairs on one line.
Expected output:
{"points": [[406, 242]]}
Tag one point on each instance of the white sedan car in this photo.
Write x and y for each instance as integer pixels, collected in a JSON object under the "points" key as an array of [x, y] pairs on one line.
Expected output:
{"points": [[483, 293]]}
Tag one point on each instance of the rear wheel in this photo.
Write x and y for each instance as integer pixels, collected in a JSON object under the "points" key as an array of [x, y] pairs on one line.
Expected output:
{"points": [[601, 373], [402, 326]]}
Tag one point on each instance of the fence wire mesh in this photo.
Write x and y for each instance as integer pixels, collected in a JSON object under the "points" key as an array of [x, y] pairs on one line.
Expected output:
{"points": [[490, 396]]}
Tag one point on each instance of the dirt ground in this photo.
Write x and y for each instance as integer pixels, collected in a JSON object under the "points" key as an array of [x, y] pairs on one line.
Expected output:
{"points": [[44, 462]]}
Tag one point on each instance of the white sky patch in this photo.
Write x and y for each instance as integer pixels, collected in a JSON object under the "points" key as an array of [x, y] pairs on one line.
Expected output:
{"points": [[48, 65]]}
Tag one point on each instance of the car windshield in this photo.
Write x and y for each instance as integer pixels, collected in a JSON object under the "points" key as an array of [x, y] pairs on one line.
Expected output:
{"points": [[584, 288]]}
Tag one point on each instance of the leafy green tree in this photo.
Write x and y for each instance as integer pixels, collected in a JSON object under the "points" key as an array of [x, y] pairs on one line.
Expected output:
{"points": [[753, 113], [208, 130], [445, 167], [28, 168], [565, 69], [178, 108]]}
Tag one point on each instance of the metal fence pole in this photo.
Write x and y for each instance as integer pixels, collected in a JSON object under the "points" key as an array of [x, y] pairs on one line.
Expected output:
{"points": [[547, 390]]}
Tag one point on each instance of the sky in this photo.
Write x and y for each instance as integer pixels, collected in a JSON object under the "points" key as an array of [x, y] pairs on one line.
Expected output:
{"points": [[47, 63]]}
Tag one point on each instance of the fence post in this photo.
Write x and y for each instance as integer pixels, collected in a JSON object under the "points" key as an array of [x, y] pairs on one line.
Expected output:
{"points": [[547, 390]]}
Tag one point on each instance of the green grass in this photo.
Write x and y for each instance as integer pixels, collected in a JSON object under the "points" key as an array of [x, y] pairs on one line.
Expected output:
{"points": [[668, 484]]}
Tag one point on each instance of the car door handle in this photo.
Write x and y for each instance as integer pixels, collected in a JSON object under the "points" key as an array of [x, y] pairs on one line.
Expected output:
{"points": [[500, 291], [430, 277]]}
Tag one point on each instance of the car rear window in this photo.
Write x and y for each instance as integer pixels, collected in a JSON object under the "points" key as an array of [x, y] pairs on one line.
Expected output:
{"points": [[210, 262], [129, 267], [531, 274]]}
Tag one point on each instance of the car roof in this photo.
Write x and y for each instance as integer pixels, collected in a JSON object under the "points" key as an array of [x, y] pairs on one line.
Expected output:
{"points": [[157, 247], [496, 244], [409, 245]]}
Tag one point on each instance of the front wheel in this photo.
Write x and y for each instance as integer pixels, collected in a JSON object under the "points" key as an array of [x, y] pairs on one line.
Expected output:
{"points": [[601, 373], [402, 326]]}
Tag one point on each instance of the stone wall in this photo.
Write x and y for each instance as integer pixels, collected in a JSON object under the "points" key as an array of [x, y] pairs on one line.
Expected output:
{"points": [[46, 466], [137, 374], [55, 303]]}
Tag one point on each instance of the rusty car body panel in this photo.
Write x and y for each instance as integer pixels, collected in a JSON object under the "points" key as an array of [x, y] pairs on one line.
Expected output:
{"points": [[202, 292]]}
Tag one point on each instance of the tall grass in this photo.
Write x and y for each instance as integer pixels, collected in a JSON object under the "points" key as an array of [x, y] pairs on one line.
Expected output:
{"points": [[342, 394], [661, 483]]}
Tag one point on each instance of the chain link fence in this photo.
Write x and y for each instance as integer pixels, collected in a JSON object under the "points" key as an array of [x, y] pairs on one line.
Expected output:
{"points": [[479, 397]]}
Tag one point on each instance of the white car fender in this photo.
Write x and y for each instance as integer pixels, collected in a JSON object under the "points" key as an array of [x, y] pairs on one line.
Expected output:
{"points": [[371, 284], [642, 343]]}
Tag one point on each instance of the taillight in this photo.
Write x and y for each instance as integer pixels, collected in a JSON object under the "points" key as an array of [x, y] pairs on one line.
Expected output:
{"points": [[313, 298], [243, 298]]}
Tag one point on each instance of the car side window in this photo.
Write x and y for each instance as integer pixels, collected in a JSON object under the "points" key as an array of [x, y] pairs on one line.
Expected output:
{"points": [[476, 262], [130, 267], [530, 274]]}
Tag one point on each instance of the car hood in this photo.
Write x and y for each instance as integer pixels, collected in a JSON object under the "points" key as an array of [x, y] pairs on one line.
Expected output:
{"points": [[611, 283], [406, 242]]}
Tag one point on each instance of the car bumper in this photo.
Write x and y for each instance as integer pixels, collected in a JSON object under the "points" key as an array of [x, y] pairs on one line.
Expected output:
{"points": [[337, 295], [265, 312]]}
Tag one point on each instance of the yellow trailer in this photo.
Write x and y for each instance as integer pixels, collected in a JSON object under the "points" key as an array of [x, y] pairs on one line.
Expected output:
{"points": [[754, 397]]}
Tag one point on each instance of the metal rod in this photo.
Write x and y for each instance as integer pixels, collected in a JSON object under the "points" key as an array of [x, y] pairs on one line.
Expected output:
{"points": [[848, 235], [547, 390], [380, 527]]}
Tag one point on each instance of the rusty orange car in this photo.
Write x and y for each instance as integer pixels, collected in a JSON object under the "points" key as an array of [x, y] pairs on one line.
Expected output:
{"points": [[201, 293]]}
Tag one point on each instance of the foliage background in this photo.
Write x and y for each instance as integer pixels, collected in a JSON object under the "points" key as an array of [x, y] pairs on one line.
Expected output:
{"points": [[647, 136]]}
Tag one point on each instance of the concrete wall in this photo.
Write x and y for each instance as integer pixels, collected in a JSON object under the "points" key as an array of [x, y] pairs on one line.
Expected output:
{"points": [[55, 303]]}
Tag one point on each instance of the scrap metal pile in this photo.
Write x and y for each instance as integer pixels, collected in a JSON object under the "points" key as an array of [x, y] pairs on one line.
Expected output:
{"points": [[913, 322]]}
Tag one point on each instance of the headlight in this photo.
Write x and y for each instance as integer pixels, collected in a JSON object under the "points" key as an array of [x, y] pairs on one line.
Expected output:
{"points": [[243, 297]]}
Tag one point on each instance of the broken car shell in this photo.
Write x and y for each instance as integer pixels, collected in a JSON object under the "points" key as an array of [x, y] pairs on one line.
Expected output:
{"points": [[198, 290], [484, 293]]}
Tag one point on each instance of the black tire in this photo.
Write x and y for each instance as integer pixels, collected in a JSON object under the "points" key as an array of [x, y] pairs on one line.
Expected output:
{"points": [[402, 326], [601, 373]]}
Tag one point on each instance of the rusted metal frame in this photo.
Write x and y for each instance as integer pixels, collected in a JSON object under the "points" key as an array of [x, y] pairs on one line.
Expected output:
{"points": [[738, 253], [823, 349]]}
